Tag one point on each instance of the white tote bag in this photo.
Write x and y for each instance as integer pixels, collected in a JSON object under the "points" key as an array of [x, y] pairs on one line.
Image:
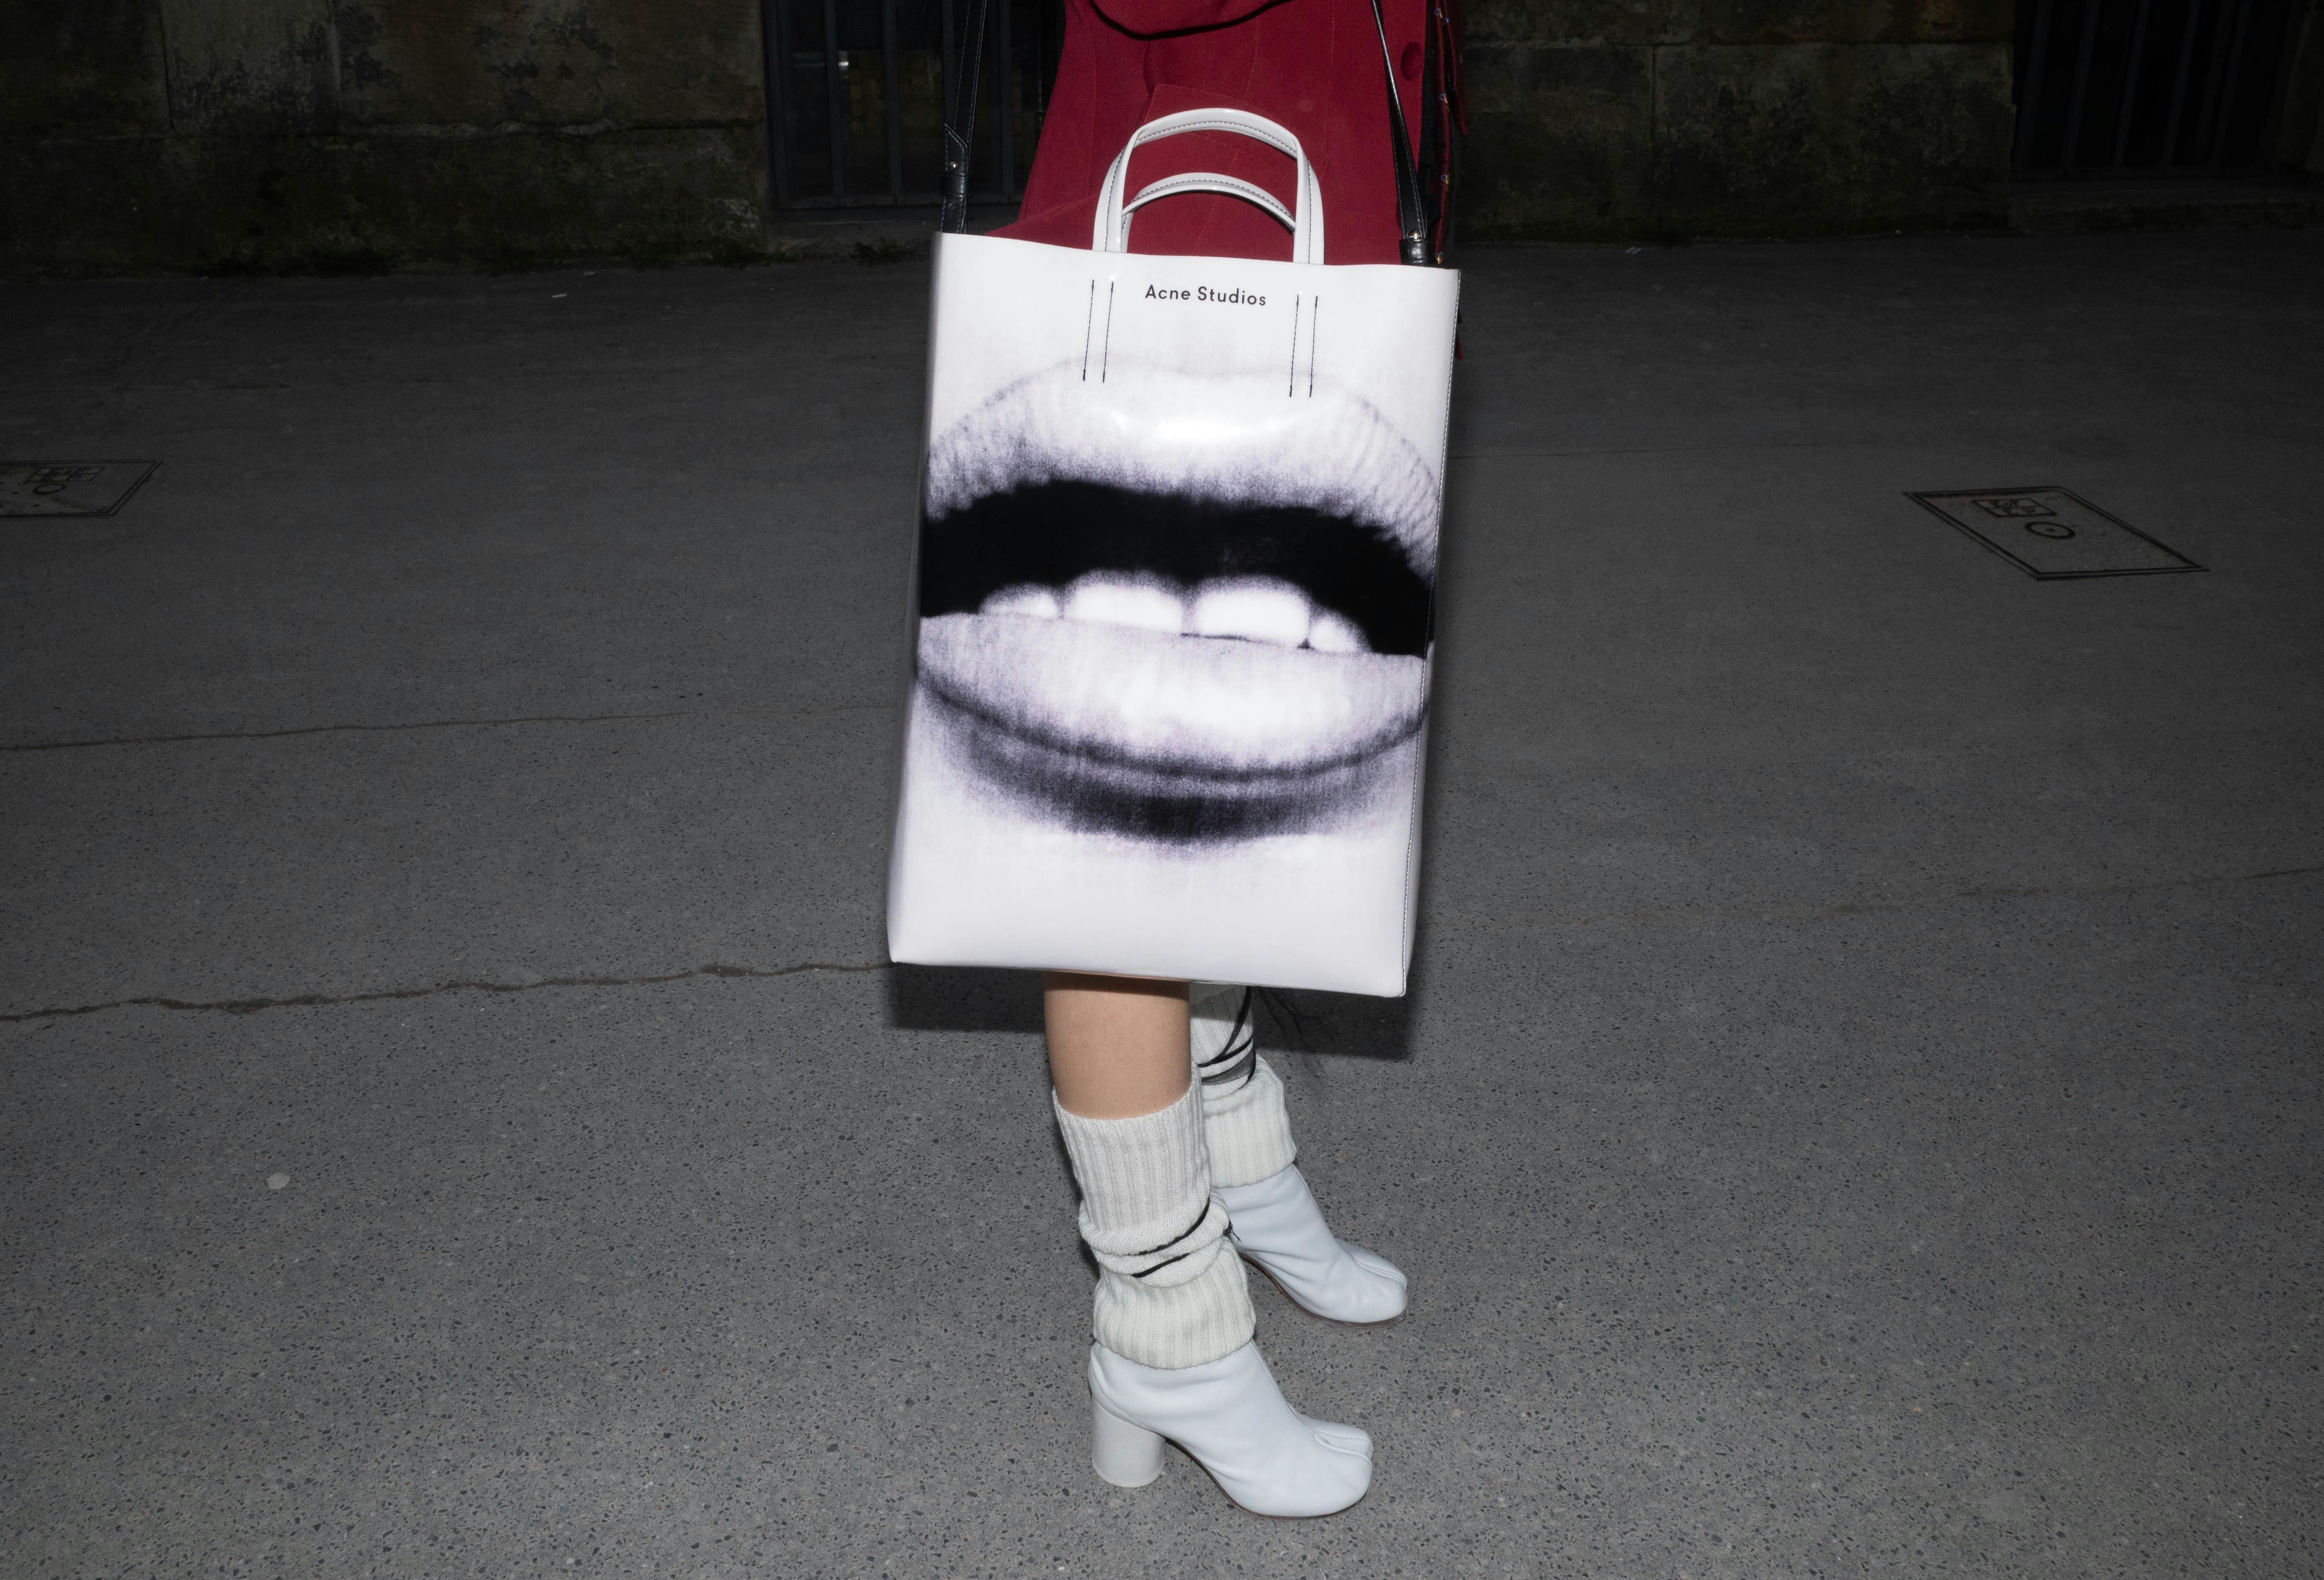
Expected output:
{"points": [[1174, 603]]}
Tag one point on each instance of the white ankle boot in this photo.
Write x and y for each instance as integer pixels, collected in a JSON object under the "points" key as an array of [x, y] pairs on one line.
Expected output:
{"points": [[1277, 1225], [1229, 1416]]}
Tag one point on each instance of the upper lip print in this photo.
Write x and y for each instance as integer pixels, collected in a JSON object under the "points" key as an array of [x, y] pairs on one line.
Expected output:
{"points": [[1180, 627]]}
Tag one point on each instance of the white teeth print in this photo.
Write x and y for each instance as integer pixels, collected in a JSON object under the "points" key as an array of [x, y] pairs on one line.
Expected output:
{"points": [[1335, 633], [1251, 608], [1025, 598], [1107, 598], [1255, 608]]}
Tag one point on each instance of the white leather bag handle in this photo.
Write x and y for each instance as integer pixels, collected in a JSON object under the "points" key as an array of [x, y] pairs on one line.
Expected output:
{"points": [[1110, 233]]}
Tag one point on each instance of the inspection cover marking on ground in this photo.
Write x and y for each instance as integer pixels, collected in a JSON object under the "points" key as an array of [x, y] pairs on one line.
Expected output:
{"points": [[2053, 533], [69, 488]]}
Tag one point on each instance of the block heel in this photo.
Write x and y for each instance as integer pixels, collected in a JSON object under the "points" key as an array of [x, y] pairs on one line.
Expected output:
{"points": [[1232, 1420], [1125, 1456]]}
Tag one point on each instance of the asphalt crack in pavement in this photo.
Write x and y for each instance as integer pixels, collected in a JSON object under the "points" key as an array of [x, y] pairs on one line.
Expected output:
{"points": [[312, 1000], [251, 1006]]}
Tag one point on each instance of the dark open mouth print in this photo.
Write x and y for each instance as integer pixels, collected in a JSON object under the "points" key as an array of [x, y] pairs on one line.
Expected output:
{"points": [[1177, 606], [1283, 574], [1170, 667]]}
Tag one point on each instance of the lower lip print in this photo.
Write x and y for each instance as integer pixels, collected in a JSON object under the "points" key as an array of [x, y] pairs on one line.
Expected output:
{"points": [[1181, 737]]}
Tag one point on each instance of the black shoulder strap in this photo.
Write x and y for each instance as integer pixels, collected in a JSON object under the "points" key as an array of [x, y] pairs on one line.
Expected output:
{"points": [[960, 121], [1411, 219]]}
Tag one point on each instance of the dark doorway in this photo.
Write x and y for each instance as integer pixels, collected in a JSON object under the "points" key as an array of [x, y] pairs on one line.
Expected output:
{"points": [[2128, 87], [855, 92]]}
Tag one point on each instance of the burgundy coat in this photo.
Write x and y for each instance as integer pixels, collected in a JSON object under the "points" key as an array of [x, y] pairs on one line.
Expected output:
{"points": [[1313, 66]]}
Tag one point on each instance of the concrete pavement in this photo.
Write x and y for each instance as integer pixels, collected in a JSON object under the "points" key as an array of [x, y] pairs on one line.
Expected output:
{"points": [[1858, 1113]]}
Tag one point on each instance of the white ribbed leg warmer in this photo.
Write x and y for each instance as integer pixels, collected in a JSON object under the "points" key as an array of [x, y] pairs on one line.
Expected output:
{"points": [[1170, 1291], [1243, 1120]]}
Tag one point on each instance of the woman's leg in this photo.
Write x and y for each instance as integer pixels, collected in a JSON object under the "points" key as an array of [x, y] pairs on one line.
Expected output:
{"points": [[1275, 1221], [1243, 1120], [1174, 1357], [1117, 1044], [1170, 1292]]}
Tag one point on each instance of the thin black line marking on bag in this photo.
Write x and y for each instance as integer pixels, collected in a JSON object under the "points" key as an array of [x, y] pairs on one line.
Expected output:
{"points": [[1291, 387], [1105, 351], [1314, 322], [1087, 324]]}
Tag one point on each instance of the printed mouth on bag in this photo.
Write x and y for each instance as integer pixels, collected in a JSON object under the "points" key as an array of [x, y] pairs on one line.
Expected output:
{"points": [[1171, 667], [1172, 611]]}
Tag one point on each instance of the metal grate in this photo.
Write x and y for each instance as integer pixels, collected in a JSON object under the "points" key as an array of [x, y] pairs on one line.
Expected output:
{"points": [[2053, 534], [69, 488], [856, 90], [2127, 88]]}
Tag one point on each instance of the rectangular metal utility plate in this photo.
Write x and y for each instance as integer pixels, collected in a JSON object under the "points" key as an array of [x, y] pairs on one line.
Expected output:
{"points": [[2055, 533], [69, 488]]}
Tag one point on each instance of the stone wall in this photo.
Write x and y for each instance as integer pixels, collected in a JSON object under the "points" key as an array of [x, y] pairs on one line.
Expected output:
{"points": [[1615, 120], [216, 136]]}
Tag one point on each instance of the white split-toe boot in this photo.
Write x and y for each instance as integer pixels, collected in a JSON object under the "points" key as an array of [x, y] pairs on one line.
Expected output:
{"points": [[1277, 1225], [1231, 1418]]}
